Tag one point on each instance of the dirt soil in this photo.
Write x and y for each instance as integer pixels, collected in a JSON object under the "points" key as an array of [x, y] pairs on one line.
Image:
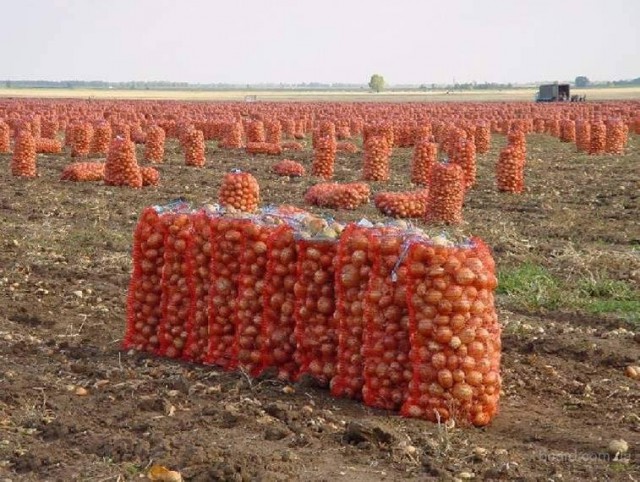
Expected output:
{"points": [[73, 406]]}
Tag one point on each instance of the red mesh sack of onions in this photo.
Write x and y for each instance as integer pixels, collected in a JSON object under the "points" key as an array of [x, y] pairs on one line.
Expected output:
{"points": [[194, 148], [82, 136], [483, 138], [144, 300], [539, 125], [254, 131], [343, 131], [23, 162], [288, 126], [324, 157], [101, 138], [598, 141], [50, 127], [465, 157], [121, 167], [346, 146], [273, 132], [5, 137], [509, 171], [353, 267], [226, 250], [287, 167], [518, 142], [387, 368], [263, 148], [292, 146], [583, 136], [567, 130], [233, 134], [300, 129], [455, 334], [279, 347], [338, 196], [122, 130], [616, 137], [376, 159], [83, 172], [240, 191], [177, 288], [446, 194], [48, 146], [552, 127], [422, 133], [411, 204], [150, 176], [154, 146], [425, 155], [315, 329]]}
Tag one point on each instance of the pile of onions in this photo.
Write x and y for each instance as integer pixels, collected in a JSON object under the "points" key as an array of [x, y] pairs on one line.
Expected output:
{"points": [[48, 146], [279, 347], [199, 260], [455, 335], [324, 157], [122, 130], [384, 129], [5, 137], [287, 167], [239, 190], [353, 267], [616, 137], [121, 167], [315, 329], [598, 138], [446, 194], [583, 136], [233, 134], [568, 130], [425, 155], [465, 157], [150, 176], [251, 284], [23, 162], [83, 172], [176, 287], [387, 368], [483, 138], [226, 249], [338, 196], [101, 138], [254, 130], [376, 159], [144, 302], [273, 132], [49, 128], [412, 204], [194, 148], [509, 171], [346, 146], [154, 146], [264, 148], [291, 146], [82, 136]]}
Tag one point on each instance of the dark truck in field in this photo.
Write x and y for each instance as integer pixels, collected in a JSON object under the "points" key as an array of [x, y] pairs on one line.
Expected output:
{"points": [[557, 93]]}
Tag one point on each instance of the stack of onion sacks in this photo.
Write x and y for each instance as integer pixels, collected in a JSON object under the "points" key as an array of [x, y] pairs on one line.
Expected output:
{"points": [[425, 155], [376, 159], [268, 148], [154, 145], [411, 204], [5, 137], [616, 137], [446, 194], [510, 171], [465, 157], [121, 167], [101, 138], [483, 138], [150, 176], [83, 172], [240, 191], [48, 146], [82, 136], [287, 167], [232, 136], [49, 128], [583, 136], [324, 157], [23, 162], [194, 148], [273, 132], [567, 130], [598, 138], [455, 342], [518, 142], [255, 131], [338, 196]]}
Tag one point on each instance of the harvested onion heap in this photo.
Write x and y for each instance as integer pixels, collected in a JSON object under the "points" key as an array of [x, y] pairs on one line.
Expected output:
{"points": [[510, 171], [5, 137], [287, 167], [465, 157], [518, 142], [268, 148], [346, 146], [101, 138], [83, 172], [194, 148], [411, 204], [176, 289], [353, 267], [324, 157], [154, 146], [239, 190], [583, 136], [150, 176], [425, 155], [255, 131], [338, 196], [23, 162], [598, 138], [48, 146], [121, 168], [567, 130], [144, 302], [82, 135], [455, 334], [376, 159], [292, 146], [232, 136], [446, 194], [273, 132], [616, 137], [483, 138]]}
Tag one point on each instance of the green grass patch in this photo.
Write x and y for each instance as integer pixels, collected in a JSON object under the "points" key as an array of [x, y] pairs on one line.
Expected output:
{"points": [[530, 286]]}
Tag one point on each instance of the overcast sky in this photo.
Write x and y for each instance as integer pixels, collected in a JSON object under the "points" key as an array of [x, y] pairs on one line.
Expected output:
{"points": [[292, 41]]}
